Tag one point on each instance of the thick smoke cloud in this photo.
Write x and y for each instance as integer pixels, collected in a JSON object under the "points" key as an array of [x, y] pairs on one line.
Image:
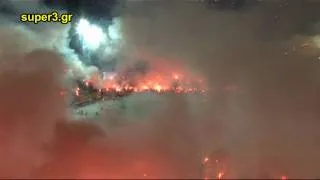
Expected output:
{"points": [[53, 36], [31, 81], [38, 139], [265, 51], [31, 105], [261, 111]]}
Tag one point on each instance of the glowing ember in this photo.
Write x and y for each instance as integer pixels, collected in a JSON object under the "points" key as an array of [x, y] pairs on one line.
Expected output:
{"points": [[77, 91], [111, 78], [220, 175], [153, 82], [176, 77], [284, 177], [206, 159], [157, 88]]}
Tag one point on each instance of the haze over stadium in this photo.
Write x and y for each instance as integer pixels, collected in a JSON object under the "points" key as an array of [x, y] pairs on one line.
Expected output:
{"points": [[213, 89]]}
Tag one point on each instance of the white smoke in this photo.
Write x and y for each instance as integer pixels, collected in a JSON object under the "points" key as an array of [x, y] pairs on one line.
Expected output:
{"points": [[273, 123], [111, 47], [51, 36]]}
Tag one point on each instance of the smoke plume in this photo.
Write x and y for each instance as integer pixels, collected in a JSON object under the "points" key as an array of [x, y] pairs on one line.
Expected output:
{"points": [[261, 110], [265, 53]]}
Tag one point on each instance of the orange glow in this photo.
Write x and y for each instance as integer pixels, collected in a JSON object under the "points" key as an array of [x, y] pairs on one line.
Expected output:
{"points": [[153, 81], [162, 77], [158, 88], [220, 175], [206, 159], [77, 91]]}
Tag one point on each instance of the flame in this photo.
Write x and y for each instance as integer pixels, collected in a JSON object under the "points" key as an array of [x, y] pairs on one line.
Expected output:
{"points": [[161, 77], [176, 76], [77, 91], [220, 175], [158, 88], [206, 159], [154, 82]]}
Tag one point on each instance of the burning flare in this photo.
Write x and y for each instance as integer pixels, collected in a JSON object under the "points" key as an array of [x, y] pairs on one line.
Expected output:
{"points": [[153, 82]]}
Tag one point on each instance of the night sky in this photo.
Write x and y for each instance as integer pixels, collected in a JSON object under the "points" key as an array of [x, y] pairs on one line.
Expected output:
{"points": [[93, 9]]}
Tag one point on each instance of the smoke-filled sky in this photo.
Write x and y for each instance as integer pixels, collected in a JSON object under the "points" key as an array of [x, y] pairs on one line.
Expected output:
{"points": [[267, 124]]}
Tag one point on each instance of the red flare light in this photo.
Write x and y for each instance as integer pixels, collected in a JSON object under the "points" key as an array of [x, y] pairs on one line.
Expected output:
{"points": [[153, 82], [220, 175], [160, 77]]}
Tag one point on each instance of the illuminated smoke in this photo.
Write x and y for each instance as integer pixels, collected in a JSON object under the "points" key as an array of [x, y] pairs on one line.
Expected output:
{"points": [[91, 35], [262, 50], [269, 130]]}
